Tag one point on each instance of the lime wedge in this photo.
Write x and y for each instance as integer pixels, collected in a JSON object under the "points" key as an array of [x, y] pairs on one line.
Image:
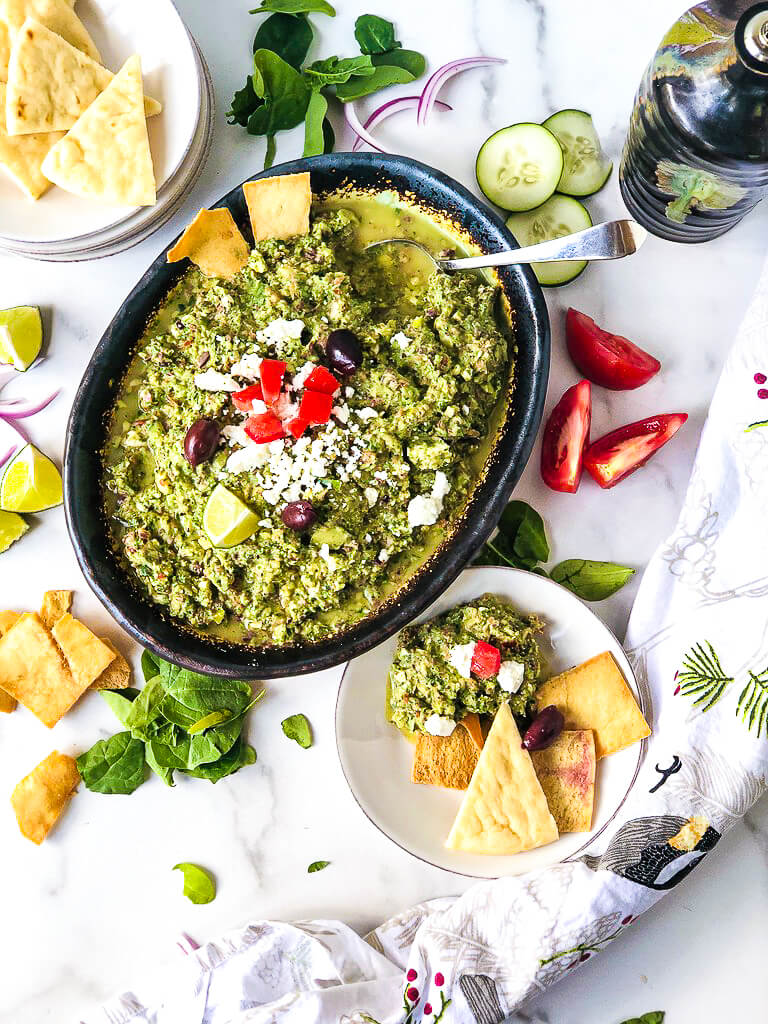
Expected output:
{"points": [[12, 527], [21, 336], [31, 483], [227, 520]]}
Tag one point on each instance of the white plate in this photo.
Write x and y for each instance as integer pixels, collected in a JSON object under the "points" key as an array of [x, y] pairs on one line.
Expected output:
{"points": [[376, 759], [154, 30]]}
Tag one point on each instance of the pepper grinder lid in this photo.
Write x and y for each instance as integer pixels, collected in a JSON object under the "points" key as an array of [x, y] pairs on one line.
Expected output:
{"points": [[751, 36]]}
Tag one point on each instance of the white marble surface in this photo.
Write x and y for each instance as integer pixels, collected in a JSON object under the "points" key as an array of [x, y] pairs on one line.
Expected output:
{"points": [[97, 906]]}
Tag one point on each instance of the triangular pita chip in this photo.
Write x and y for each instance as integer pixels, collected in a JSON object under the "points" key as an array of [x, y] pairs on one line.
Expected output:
{"points": [[41, 796], [105, 156], [566, 771], [7, 619], [55, 604], [21, 156], [51, 83], [33, 671], [57, 15], [279, 206], [117, 675], [595, 696], [444, 760], [5, 51], [214, 242], [504, 810], [86, 655]]}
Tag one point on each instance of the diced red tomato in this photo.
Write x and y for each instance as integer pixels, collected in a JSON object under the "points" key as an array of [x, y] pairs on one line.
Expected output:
{"points": [[272, 372], [296, 426], [243, 400], [486, 660], [607, 359], [315, 407], [263, 427], [616, 455], [565, 437], [322, 380]]}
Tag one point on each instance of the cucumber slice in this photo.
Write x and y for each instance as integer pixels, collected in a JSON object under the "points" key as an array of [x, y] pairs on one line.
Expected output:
{"points": [[558, 216], [518, 167], [586, 167]]}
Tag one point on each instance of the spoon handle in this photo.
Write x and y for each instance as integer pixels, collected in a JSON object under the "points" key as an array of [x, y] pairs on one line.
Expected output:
{"points": [[609, 241]]}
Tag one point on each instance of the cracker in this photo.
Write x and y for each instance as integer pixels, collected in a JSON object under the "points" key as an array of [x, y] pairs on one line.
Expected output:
{"points": [[86, 655], [213, 241], [279, 206], [55, 15], [566, 771], [117, 675], [444, 760], [504, 811], [105, 156], [33, 671], [595, 696], [55, 604], [21, 156], [41, 796]]}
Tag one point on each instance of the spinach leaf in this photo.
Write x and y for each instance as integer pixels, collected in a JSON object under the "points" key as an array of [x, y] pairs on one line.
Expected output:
{"points": [[654, 1017], [409, 60], [314, 135], [285, 94], [329, 141], [165, 773], [115, 765], [297, 727], [295, 7], [240, 755], [521, 541], [317, 865], [175, 749], [199, 886], [287, 35], [356, 88], [592, 581], [150, 665], [374, 34], [145, 710], [189, 697], [336, 70], [120, 701]]}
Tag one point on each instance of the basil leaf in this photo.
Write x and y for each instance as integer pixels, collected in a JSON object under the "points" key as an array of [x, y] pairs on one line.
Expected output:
{"points": [[375, 34], [295, 7], [284, 91], [497, 551], [314, 139], [115, 765], [287, 35], [525, 529], [199, 886], [592, 581], [336, 70], [241, 755], [214, 718], [297, 727], [356, 88], [150, 665], [409, 60], [120, 701], [654, 1017], [317, 865]]}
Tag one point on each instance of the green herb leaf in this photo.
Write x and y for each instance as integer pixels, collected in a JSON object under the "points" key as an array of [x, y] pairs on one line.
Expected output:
{"points": [[115, 765], [120, 702], [287, 35], [162, 771], [150, 665], [314, 139], [295, 7], [654, 1017], [214, 718], [145, 709], [244, 103], [592, 581], [521, 541], [285, 94], [199, 886], [241, 755], [356, 88], [375, 34], [317, 865], [336, 70], [189, 697], [297, 727], [409, 60]]}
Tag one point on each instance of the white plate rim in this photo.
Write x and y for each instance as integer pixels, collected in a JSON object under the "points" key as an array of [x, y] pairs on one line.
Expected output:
{"points": [[590, 836]]}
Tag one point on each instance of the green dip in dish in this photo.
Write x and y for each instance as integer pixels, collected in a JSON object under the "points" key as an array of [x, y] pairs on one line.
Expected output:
{"points": [[387, 476], [431, 675]]}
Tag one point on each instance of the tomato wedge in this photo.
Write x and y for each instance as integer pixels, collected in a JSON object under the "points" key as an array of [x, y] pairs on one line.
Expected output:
{"points": [[565, 436], [607, 359], [616, 455], [486, 660]]}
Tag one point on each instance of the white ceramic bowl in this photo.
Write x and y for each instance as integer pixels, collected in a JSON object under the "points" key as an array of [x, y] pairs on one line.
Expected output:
{"points": [[376, 759]]}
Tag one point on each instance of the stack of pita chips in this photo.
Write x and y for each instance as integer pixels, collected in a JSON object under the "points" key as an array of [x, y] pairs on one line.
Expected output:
{"points": [[64, 118]]}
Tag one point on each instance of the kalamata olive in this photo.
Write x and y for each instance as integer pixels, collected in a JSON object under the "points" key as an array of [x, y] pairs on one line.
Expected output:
{"points": [[298, 515], [201, 441], [544, 729], [343, 352]]}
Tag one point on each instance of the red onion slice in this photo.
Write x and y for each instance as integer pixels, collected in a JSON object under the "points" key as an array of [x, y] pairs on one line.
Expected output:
{"points": [[11, 451], [354, 122], [441, 76], [393, 107], [6, 375], [10, 410]]}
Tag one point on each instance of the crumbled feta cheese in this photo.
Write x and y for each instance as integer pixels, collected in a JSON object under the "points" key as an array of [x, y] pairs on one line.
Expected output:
{"points": [[425, 509], [325, 553], [348, 391], [511, 676], [300, 377], [279, 332], [341, 412], [212, 380], [368, 538], [235, 435], [440, 487], [266, 523], [435, 725], [371, 495], [366, 414], [247, 366], [461, 658], [252, 456], [383, 555], [402, 340]]}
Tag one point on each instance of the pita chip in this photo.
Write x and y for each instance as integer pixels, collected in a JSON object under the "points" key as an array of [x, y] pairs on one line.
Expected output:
{"points": [[445, 760], [33, 671], [279, 206], [55, 604], [213, 241], [86, 655], [504, 811], [117, 675], [595, 696], [7, 619], [5, 51], [105, 156], [41, 796], [21, 156], [56, 15], [51, 83], [566, 771]]}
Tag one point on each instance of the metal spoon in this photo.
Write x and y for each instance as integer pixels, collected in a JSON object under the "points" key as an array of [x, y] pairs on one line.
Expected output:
{"points": [[609, 241]]}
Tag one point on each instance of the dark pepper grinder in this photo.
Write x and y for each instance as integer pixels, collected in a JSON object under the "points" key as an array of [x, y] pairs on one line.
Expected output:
{"points": [[696, 156]]}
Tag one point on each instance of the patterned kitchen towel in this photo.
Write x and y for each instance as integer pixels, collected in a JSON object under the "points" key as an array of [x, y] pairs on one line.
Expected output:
{"points": [[698, 639]]}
